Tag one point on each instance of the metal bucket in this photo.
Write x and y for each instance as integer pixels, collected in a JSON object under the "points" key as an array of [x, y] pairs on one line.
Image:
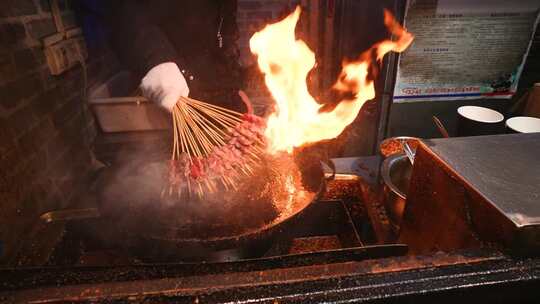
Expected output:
{"points": [[396, 173]]}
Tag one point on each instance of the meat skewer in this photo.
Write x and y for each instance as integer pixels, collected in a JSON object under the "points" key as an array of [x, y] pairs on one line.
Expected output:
{"points": [[212, 146]]}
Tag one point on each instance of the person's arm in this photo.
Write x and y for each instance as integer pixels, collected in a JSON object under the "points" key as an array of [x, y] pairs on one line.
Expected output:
{"points": [[139, 42], [145, 49]]}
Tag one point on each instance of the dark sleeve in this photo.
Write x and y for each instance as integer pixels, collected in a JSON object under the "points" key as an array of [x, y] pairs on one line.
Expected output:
{"points": [[230, 52], [230, 30], [138, 41], [230, 26]]}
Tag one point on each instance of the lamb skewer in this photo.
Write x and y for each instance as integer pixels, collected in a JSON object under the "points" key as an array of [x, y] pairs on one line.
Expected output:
{"points": [[213, 146]]}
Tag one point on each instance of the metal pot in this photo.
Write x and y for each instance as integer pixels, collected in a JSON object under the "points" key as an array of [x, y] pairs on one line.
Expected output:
{"points": [[396, 173]]}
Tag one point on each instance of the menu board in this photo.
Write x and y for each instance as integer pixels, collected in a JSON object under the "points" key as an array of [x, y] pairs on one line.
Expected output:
{"points": [[465, 49]]}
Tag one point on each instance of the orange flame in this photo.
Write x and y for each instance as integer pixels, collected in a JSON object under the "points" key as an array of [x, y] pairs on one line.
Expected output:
{"points": [[286, 62]]}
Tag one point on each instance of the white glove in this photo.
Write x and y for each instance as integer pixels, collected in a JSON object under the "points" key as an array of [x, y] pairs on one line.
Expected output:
{"points": [[164, 84]]}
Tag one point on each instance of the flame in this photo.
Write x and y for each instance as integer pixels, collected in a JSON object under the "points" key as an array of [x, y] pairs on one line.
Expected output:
{"points": [[286, 62]]}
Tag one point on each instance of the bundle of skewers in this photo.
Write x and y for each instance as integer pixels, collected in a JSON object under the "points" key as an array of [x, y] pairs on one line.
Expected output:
{"points": [[213, 147]]}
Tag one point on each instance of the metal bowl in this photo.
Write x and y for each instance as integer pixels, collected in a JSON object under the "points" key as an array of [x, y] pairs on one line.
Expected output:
{"points": [[396, 174]]}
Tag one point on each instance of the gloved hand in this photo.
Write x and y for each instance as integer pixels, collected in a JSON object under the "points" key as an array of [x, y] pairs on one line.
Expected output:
{"points": [[164, 84]]}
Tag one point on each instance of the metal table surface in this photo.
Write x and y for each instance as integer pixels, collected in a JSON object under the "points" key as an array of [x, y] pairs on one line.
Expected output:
{"points": [[504, 169]]}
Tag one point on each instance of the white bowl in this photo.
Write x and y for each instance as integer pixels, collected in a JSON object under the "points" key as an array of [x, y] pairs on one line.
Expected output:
{"points": [[480, 114], [524, 124]]}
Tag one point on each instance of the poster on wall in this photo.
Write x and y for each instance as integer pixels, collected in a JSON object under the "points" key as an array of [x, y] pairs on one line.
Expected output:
{"points": [[465, 49]]}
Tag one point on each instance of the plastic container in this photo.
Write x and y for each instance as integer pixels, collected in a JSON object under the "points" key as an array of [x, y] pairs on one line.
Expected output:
{"points": [[474, 120], [523, 124]]}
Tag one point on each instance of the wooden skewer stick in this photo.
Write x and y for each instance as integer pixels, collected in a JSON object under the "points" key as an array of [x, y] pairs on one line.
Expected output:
{"points": [[200, 141], [219, 111], [213, 130], [198, 128], [208, 105]]}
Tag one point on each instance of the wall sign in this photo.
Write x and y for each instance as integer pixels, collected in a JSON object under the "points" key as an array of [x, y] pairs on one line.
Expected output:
{"points": [[465, 49]]}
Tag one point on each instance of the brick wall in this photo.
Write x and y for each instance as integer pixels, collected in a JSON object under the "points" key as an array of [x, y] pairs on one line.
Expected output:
{"points": [[45, 127]]}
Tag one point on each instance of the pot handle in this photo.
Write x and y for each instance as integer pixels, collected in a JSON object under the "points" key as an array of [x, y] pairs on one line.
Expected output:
{"points": [[329, 169], [69, 215], [440, 126]]}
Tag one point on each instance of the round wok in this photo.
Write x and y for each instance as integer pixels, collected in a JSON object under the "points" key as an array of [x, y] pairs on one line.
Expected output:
{"points": [[225, 226]]}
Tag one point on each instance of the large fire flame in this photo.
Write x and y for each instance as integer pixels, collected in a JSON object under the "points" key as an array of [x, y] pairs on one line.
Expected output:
{"points": [[286, 62]]}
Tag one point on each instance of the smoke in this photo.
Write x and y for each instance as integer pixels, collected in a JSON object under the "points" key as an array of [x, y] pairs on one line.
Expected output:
{"points": [[131, 191]]}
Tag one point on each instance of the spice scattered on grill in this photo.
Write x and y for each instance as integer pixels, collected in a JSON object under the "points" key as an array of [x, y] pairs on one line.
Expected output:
{"points": [[213, 147], [393, 145]]}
